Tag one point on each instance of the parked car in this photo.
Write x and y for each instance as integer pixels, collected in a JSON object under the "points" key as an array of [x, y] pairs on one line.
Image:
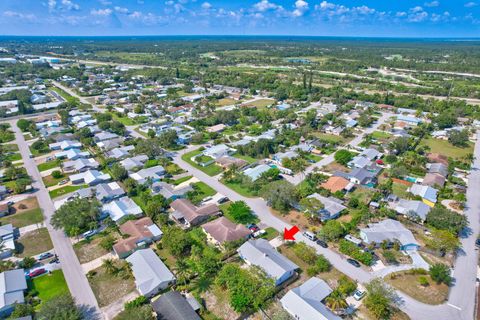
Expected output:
{"points": [[258, 233], [89, 233], [359, 294], [477, 242], [37, 272], [353, 262], [310, 236], [45, 255], [223, 200], [322, 243], [64, 181], [253, 227]]}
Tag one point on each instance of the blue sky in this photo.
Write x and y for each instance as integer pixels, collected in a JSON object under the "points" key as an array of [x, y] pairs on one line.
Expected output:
{"points": [[385, 18]]}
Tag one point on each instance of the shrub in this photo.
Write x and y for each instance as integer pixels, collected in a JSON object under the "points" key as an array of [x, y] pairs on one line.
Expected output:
{"points": [[57, 174], [305, 252], [350, 249], [137, 302], [346, 286], [423, 281], [440, 273]]}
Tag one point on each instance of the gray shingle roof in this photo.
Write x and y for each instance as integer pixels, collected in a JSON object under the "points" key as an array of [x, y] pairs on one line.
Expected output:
{"points": [[173, 306]]}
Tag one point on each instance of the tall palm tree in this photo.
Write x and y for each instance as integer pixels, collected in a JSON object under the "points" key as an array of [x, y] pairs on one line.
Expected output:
{"points": [[336, 301], [182, 270]]}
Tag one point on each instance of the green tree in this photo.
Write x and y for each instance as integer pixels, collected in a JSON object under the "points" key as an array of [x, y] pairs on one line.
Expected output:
{"points": [[77, 216], [21, 310], [311, 205], [443, 240], [440, 273], [343, 157], [177, 241], [444, 219], [280, 195], [458, 138], [381, 299], [336, 301], [332, 230], [241, 212], [118, 172], [144, 312], [61, 307]]}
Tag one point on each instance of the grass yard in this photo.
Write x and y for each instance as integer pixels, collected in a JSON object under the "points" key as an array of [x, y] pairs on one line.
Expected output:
{"points": [[33, 243], [49, 286], [65, 190], [253, 219], [329, 137], [270, 233], [261, 103], [400, 190], [446, 148], [23, 218], [240, 189], [313, 157], [109, 288], [88, 250], [50, 181], [174, 169], [13, 157], [363, 195], [49, 165], [181, 180], [211, 170], [62, 93], [40, 152], [203, 191], [380, 135], [225, 102], [249, 159], [125, 120], [409, 284]]}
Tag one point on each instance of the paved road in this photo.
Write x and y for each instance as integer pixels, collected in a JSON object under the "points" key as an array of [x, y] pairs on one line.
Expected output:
{"points": [[296, 179], [461, 301], [76, 279], [74, 94]]}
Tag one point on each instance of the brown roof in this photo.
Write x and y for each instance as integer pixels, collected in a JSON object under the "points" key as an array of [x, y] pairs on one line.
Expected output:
{"points": [[3, 207], [432, 179], [190, 212], [228, 161], [436, 157], [223, 230], [136, 229], [335, 184]]}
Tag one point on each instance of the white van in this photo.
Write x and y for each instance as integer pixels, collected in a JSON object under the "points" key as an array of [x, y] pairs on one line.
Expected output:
{"points": [[310, 236]]}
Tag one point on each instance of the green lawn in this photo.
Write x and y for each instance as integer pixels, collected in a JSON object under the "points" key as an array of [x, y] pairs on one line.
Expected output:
{"points": [[50, 181], [14, 157], [240, 189], [181, 180], [62, 93], [211, 170], [446, 148], [224, 208], [203, 191], [225, 102], [270, 233], [37, 153], [49, 165], [64, 190], [249, 159], [329, 137], [313, 157], [10, 147], [261, 103], [125, 120], [33, 243], [363, 195], [400, 190], [24, 218], [48, 286], [380, 135]]}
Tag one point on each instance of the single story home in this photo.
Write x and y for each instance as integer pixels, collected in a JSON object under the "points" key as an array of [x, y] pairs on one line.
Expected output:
{"points": [[334, 184], [72, 154], [121, 208], [104, 136], [216, 128], [188, 215], [332, 207], [434, 179], [104, 192], [169, 191], [134, 162], [8, 234], [280, 156], [218, 151], [427, 193], [222, 230], [151, 274], [306, 301], [389, 230], [228, 161], [173, 306], [152, 174], [120, 152], [89, 177], [438, 168], [260, 253], [80, 165], [65, 145], [412, 209], [12, 289], [256, 172], [141, 233]]}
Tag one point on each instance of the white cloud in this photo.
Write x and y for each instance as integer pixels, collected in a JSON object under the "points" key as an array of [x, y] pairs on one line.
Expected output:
{"points": [[105, 2], [264, 5], [401, 14], [301, 7], [416, 9], [101, 12], [432, 4], [69, 5], [470, 4], [52, 4], [206, 5], [18, 15], [121, 10], [417, 14]]}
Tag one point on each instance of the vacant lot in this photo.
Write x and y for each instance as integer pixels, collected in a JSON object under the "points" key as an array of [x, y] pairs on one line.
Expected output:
{"points": [[64, 190], [261, 103], [24, 213], [211, 170], [49, 165], [88, 250], [33, 243], [108, 288], [446, 148], [409, 283]]}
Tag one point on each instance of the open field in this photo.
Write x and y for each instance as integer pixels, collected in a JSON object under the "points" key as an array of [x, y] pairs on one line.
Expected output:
{"points": [[446, 148], [33, 243]]}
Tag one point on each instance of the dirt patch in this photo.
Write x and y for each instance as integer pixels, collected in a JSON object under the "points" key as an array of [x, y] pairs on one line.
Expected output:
{"points": [[410, 284], [87, 251], [297, 218], [216, 300], [335, 166], [24, 205], [109, 288]]}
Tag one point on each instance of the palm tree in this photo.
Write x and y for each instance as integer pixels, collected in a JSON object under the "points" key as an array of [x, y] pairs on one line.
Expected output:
{"points": [[110, 266], [182, 270], [336, 301]]}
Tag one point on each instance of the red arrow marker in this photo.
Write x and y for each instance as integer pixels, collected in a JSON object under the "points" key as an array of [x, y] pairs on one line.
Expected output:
{"points": [[289, 234]]}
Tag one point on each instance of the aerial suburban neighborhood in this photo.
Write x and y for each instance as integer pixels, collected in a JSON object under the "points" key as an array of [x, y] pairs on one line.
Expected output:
{"points": [[165, 178]]}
